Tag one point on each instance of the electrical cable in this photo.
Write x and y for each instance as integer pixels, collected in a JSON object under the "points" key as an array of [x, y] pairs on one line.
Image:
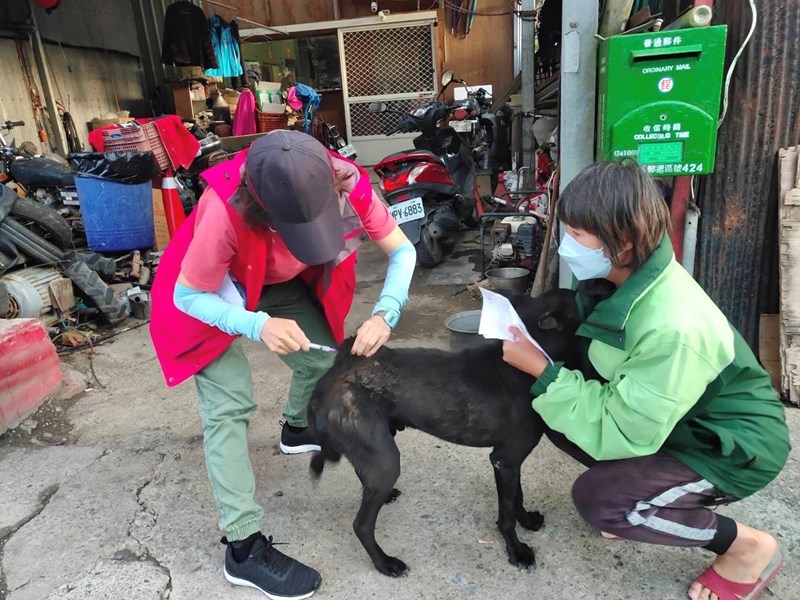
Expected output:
{"points": [[733, 64]]}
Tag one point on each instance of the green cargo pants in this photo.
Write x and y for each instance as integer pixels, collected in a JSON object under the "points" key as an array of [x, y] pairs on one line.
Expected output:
{"points": [[225, 394]]}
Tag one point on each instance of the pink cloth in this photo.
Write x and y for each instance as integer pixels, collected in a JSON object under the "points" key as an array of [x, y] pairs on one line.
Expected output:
{"points": [[244, 121], [292, 100]]}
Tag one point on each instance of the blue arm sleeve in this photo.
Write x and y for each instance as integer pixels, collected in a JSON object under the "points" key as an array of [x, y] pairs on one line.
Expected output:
{"points": [[394, 294], [213, 310]]}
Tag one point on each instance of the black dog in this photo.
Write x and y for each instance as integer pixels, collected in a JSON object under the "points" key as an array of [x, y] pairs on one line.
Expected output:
{"points": [[471, 397]]}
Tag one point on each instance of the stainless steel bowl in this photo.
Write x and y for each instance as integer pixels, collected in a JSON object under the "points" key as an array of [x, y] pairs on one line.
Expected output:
{"points": [[512, 279]]}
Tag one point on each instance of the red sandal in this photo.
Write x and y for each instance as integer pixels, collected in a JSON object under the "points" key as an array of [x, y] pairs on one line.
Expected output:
{"points": [[726, 589]]}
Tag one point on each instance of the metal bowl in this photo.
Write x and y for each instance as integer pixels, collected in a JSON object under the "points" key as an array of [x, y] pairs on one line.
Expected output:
{"points": [[512, 279], [463, 328]]}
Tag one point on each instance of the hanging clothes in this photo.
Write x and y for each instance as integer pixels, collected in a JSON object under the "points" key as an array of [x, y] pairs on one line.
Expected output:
{"points": [[244, 121], [187, 39], [226, 48]]}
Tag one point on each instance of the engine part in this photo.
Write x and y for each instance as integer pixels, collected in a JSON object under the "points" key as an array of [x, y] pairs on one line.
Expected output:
{"points": [[500, 233], [37, 292], [5, 300]]}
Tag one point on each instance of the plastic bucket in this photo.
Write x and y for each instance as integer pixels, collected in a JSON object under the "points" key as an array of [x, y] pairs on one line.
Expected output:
{"points": [[116, 216], [463, 327]]}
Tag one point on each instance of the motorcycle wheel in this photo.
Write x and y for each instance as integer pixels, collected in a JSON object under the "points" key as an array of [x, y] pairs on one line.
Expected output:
{"points": [[44, 222], [31, 245], [429, 249]]}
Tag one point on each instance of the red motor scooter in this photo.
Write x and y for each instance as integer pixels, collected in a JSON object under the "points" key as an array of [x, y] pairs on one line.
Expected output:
{"points": [[432, 190]]}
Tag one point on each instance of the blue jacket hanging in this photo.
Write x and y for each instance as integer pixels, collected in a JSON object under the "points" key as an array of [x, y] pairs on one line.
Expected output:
{"points": [[226, 49]]}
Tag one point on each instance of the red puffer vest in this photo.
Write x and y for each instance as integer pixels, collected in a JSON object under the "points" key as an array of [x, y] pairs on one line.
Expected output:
{"points": [[185, 345]]}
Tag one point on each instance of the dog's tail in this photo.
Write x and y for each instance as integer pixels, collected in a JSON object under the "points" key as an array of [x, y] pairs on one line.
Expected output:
{"points": [[327, 454]]}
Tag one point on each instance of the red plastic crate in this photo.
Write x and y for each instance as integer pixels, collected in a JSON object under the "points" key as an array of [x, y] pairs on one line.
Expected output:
{"points": [[29, 369], [132, 137]]}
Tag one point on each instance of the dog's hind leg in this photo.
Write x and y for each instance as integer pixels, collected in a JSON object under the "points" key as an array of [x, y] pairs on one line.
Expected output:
{"points": [[533, 519], [506, 476], [378, 467]]}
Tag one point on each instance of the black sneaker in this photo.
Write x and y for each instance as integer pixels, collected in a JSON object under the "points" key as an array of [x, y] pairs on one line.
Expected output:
{"points": [[280, 577], [296, 440]]}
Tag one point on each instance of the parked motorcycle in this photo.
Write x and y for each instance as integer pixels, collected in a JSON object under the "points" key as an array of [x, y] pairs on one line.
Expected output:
{"points": [[432, 191], [48, 185]]}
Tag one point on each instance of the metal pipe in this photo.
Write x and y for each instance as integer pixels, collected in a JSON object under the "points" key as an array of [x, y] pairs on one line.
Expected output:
{"points": [[690, 237], [336, 12], [681, 192]]}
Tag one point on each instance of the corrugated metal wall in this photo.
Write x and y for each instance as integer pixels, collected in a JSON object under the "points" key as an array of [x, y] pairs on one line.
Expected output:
{"points": [[97, 83], [94, 59], [15, 102], [737, 254]]}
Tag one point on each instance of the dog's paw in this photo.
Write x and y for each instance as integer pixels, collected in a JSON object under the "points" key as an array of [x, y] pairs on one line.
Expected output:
{"points": [[532, 520], [393, 497], [393, 567], [523, 557]]}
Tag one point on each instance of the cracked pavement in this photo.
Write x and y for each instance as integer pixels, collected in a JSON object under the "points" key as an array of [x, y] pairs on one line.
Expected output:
{"points": [[106, 496]]}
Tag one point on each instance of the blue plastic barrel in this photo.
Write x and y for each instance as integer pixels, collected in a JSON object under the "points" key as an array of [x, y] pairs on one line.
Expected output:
{"points": [[116, 216]]}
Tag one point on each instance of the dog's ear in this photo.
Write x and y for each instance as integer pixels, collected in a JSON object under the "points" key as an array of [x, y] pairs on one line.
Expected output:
{"points": [[548, 321]]}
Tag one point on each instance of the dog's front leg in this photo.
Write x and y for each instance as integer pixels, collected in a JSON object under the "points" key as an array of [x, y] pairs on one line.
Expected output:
{"points": [[506, 477]]}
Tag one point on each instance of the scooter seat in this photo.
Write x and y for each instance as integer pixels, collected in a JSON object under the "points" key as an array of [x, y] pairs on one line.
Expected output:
{"points": [[412, 155], [41, 172]]}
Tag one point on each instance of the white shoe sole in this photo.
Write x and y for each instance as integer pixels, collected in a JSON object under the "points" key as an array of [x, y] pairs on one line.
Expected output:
{"points": [[299, 449], [244, 582]]}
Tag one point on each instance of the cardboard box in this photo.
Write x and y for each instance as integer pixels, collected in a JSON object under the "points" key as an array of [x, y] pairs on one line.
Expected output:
{"points": [[160, 221]]}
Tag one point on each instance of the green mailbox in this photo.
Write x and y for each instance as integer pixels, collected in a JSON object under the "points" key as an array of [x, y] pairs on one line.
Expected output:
{"points": [[659, 99]]}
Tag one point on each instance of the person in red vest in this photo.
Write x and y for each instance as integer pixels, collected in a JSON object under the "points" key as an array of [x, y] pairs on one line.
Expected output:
{"points": [[269, 253]]}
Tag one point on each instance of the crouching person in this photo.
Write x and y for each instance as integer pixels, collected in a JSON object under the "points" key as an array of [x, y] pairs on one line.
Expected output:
{"points": [[685, 419]]}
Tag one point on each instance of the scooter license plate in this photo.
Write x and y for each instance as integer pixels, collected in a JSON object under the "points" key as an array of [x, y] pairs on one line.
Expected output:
{"points": [[409, 210], [347, 151], [461, 126]]}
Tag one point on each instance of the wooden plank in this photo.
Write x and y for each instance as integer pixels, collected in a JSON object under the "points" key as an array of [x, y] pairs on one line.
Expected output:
{"points": [[789, 266]]}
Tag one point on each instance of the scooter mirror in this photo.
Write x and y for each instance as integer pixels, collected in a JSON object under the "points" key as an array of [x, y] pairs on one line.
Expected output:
{"points": [[378, 107], [447, 77]]}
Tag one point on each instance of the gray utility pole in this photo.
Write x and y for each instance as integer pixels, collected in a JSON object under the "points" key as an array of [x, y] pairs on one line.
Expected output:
{"points": [[528, 45], [577, 103]]}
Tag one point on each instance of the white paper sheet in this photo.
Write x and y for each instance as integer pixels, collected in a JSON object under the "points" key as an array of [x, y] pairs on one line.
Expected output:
{"points": [[229, 292], [497, 315]]}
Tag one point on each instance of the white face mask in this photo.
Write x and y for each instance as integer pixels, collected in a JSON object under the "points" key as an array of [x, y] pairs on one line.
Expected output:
{"points": [[585, 263]]}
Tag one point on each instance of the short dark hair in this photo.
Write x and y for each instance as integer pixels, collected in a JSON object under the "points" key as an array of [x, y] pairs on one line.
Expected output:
{"points": [[607, 199]]}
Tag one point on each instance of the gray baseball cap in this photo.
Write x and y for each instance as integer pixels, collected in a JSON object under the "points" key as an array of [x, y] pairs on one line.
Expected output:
{"points": [[290, 175]]}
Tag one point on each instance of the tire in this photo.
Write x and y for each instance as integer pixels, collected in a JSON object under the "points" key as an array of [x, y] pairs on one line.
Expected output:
{"points": [[31, 245], [43, 221], [97, 291], [102, 265], [429, 250]]}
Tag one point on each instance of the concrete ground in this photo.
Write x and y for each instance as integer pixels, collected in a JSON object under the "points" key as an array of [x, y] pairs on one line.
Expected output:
{"points": [[104, 494]]}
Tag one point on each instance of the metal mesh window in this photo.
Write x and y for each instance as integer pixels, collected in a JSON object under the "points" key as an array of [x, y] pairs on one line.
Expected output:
{"points": [[363, 122], [384, 61]]}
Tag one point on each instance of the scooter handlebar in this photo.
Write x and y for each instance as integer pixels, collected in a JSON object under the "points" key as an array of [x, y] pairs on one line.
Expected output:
{"points": [[12, 124]]}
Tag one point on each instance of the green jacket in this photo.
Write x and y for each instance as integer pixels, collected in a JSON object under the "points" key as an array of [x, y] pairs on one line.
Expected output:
{"points": [[679, 377]]}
